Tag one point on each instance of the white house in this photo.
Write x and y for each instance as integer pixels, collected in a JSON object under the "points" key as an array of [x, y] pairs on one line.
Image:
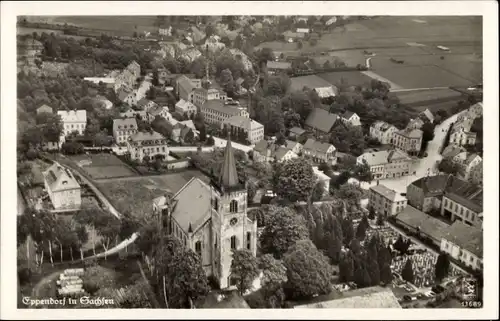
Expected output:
{"points": [[149, 144], [322, 177], [350, 118], [123, 129], [72, 120], [465, 244], [185, 107], [62, 187], [382, 131]]}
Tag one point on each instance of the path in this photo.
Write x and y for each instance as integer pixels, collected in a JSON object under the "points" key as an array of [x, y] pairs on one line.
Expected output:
{"points": [[417, 89], [221, 143], [43, 282]]}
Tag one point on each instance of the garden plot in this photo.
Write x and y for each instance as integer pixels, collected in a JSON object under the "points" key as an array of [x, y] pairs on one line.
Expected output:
{"points": [[101, 166]]}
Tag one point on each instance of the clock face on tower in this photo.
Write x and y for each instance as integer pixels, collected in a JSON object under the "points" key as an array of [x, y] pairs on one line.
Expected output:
{"points": [[233, 221]]}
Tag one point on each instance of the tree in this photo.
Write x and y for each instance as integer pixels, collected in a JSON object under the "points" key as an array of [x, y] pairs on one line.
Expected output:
{"points": [[308, 271], [363, 172], [273, 270], [448, 166], [350, 194], [371, 212], [108, 228], [318, 191], [347, 230], [294, 180], [401, 246], [442, 267], [385, 260], [407, 272], [244, 269], [346, 268], [283, 228], [380, 219], [362, 227], [185, 278]]}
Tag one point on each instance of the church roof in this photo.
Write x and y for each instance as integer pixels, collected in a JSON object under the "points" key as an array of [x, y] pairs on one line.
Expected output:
{"points": [[228, 175]]}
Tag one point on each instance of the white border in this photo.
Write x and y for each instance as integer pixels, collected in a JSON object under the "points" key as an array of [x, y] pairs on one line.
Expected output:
{"points": [[9, 11]]}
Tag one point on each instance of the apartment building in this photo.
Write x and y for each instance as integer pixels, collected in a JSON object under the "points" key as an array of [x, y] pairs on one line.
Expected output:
{"points": [[217, 112], [253, 129], [382, 131], [408, 140], [149, 144], [465, 244], [463, 201], [387, 163], [72, 120], [123, 129], [386, 201]]}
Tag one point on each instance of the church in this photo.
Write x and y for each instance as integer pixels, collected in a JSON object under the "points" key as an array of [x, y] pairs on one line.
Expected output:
{"points": [[211, 219]]}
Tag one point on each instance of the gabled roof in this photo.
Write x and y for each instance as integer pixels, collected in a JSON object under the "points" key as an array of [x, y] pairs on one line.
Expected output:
{"points": [[452, 150], [347, 114], [262, 146], [143, 102], [44, 108], [124, 124], [414, 133], [185, 105], [189, 123], [465, 193], [427, 113], [218, 105], [467, 237], [280, 152], [290, 144], [471, 158], [383, 157], [69, 116], [243, 122], [388, 193], [314, 145], [321, 119], [59, 178], [185, 84], [429, 225], [123, 93], [433, 185], [297, 131], [382, 126], [142, 136]]}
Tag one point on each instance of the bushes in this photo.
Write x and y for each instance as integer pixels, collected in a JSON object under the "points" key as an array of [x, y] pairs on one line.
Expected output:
{"points": [[24, 274]]}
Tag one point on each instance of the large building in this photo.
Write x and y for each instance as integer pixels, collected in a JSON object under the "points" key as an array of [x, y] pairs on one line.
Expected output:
{"points": [[320, 152], [62, 187], [183, 107], [149, 144], [463, 201], [73, 120], [382, 131], [408, 140], [387, 163], [465, 244], [211, 219], [320, 121], [426, 193], [123, 129], [253, 130], [386, 201], [201, 95], [217, 112]]}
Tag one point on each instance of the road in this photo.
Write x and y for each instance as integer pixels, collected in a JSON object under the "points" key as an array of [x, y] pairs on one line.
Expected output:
{"points": [[221, 143], [425, 166]]}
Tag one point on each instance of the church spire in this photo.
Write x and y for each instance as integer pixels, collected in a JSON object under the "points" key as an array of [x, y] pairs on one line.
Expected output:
{"points": [[228, 176]]}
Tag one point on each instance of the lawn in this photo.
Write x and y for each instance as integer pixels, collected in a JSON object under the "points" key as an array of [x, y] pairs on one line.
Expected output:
{"points": [[433, 100], [135, 194], [351, 77], [102, 166]]}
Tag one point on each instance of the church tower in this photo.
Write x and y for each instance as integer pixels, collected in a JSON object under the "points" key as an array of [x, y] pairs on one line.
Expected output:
{"points": [[235, 230]]}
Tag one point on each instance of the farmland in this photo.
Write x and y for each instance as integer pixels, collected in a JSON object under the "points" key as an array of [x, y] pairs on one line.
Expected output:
{"points": [[102, 166], [350, 77], [135, 194]]}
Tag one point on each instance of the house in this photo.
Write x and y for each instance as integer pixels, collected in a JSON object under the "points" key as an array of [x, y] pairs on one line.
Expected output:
{"points": [[476, 174], [145, 104], [266, 152], [127, 96], [350, 118], [426, 193], [217, 112], [212, 231], [104, 101], [123, 129], [476, 110], [463, 201], [322, 87], [416, 123], [385, 200], [387, 163], [190, 54], [320, 121], [451, 151], [159, 111], [468, 164], [426, 226], [181, 133], [190, 124], [141, 114], [408, 140], [296, 132], [322, 177], [295, 147], [460, 132], [382, 131], [134, 68], [165, 31], [364, 298], [291, 36], [275, 67], [185, 108], [331, 21], [427, 115], [73, 120], [320, 152], [150, 144], [253, 130], [465, 244], [303, 30], [241, 56], [29, 49], [44, 109], [201, 95], [184, 88], [62, 187]]}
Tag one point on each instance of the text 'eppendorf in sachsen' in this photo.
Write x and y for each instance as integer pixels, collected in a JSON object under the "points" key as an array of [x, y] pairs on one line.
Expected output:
{"points": [[65, 301]]}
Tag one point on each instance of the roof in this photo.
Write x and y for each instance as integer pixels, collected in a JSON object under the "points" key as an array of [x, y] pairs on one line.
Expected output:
{"points": [[141, 136], [123, 93], [467, 237], [471, 158], [189, 123], [143, 102], [97, 80], [219, 106], [383, 157], [184, 83], [243, 122], [131, 113], [452, 150], [320, 174], [347, 114], [465, 193], [70, 116], [44, 108], [124, 124], [429, 225], [310, 81], [325, 92], [280, 152], [372, 297], [283, 65], [315, 145], [228, 175], [433, 185], [321, 119], [388, 193], [427, 113], [304, 30], [290, 144], [413, 133], [262, 146], [59, 178], [185, 105], [297, 130], [382, 126]]}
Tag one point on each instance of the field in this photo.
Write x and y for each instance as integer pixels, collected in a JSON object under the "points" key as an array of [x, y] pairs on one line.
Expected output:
{"points": [[135, 194], [102, 166], [431, 99], [351, 77]]}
